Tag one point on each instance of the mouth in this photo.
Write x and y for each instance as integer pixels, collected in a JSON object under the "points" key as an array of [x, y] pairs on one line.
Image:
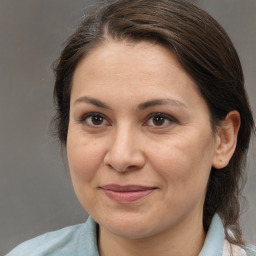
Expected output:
{"points": [[126, 194]]}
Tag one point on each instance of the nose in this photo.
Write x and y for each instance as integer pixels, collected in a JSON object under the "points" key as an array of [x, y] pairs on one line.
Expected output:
{"points": [[125, 152]]}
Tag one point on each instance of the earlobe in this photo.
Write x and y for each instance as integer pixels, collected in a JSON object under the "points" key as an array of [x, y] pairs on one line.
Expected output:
{"points": [[226, 139]]}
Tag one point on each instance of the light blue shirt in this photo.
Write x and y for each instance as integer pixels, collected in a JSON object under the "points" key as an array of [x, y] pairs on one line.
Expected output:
{"points": [[81, 240]]}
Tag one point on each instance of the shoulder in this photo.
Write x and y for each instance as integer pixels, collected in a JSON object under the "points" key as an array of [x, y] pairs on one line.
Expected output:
{"points": [[48, 242], [234, 250], [231, 249], [216, 243], [73, 240], [251, 250]]}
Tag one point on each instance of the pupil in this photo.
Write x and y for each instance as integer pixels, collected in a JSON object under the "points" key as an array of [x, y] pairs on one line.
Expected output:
{"points": [[97, 120], [158, 120]]}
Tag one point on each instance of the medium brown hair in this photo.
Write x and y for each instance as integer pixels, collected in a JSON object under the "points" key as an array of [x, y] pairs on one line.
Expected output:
{"points": [[206, 53]]}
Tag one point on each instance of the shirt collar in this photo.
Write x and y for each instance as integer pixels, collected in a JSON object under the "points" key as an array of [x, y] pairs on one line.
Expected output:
{"points": [[213, 245], [88, 239]]}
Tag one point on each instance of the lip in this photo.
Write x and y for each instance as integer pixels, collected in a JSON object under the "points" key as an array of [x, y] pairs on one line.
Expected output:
{"points": [[126, 194]]}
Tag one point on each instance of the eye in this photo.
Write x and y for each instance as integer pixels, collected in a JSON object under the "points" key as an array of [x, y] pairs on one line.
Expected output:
{"points": [[160, 120], [94, 120]]}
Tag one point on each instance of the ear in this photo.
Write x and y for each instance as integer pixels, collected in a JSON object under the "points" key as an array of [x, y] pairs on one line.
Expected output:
{"points": [[226, 139]]}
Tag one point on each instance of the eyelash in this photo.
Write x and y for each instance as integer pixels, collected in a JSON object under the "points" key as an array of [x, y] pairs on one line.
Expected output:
{"points": [[162, 116], [89, 115]]}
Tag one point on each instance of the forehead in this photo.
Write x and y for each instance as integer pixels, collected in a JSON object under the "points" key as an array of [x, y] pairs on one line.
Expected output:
{"points": [[131, 69], [114, 58]]}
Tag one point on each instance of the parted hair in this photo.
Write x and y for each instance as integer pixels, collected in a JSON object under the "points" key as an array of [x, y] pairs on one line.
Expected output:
{"points": [[207, 54]]}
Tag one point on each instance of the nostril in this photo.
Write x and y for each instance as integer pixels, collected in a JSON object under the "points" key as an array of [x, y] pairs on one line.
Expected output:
{"points": [[123, 168], [132, 167]]}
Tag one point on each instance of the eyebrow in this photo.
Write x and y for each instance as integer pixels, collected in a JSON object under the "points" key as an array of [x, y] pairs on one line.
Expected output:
{"points": [[142, 106], [92, 101], [156, 102]]}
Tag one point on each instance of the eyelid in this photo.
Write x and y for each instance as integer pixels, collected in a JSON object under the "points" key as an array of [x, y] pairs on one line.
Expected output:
{"points": [[90, 114], [168, 117]]}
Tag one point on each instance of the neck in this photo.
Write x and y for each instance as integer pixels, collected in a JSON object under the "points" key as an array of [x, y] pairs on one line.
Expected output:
{"points": [[186, 239]]}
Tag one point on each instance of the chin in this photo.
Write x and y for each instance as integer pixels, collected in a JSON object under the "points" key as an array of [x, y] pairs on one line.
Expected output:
{"points": [[129, 231], [129, 227]]}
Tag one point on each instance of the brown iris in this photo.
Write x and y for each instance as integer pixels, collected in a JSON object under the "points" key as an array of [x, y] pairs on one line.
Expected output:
{"points": [[97, 119], [158, 120]]}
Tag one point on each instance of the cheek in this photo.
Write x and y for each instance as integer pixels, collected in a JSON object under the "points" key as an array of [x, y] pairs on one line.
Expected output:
{"points": [[84, 157], [184, 163], [184, 176]]}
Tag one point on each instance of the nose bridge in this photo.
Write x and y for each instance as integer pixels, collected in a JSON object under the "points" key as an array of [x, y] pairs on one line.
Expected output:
{"points": [[123, 137], [125, 149]]}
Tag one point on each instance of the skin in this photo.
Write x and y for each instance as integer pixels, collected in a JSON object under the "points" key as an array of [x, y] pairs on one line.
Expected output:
{"points": [[123, 144]]}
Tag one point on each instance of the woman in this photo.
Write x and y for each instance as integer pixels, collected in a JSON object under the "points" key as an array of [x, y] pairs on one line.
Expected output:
{"points": [[152, 111]]}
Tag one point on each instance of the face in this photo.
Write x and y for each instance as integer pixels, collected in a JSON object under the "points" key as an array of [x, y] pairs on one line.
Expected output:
{"points": [[140, 145]]}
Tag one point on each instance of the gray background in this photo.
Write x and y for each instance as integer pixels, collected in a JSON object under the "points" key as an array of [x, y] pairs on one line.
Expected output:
{"points": [[36, 194]]}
